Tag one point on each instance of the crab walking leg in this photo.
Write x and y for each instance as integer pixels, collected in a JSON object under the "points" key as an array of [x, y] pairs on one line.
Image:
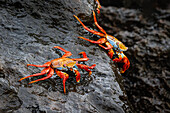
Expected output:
{"points": [[67, 53], [98, 6], [85, 58], [96, 23], [86, 68], [44, 71], [47, 64], [63, 76], [49, 74], [92, 31], [109, 46], [100, 41]]}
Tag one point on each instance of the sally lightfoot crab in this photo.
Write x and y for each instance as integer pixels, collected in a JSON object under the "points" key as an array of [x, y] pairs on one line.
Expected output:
{"points": [[114, 47], [61, 66]]}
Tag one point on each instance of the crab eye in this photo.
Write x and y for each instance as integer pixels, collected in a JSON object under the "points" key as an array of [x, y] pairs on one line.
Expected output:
{"points": [[122, 47], [117, 43]]}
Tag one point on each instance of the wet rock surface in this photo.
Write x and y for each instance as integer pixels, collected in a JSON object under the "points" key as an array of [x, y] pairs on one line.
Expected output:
{"points": [[28, 31], [148, 38]]}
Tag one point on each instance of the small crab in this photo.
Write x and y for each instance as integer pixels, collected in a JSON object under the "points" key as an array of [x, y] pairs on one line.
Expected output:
{"points": [[61, 66], [114, 47]]}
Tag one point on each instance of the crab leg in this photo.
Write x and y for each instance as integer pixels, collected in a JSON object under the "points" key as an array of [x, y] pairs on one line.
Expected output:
{"points": [[85, 58], [86, 68], [100, 41], [44, 71], [98, 6], [63, 76], [109, 46], [44, 65], [49, 74], [67, 53], [92, 31], [96, 23]]}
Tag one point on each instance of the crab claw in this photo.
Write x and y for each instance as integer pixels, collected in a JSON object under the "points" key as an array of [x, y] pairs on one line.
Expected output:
{"points": [[122, 46], [126, 65], [77, 74], [64, 76]]}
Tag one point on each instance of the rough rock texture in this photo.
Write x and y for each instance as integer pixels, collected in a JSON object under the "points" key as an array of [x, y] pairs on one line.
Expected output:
{"points": [[28, 31], [148, 38]]}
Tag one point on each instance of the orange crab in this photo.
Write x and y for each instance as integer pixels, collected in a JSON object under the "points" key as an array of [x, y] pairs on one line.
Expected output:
{"points": [[114, 47], [61, 66]]}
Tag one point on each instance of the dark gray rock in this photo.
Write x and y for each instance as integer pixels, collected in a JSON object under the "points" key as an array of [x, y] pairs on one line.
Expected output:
{"points": [[147, 37], [28, 31]]}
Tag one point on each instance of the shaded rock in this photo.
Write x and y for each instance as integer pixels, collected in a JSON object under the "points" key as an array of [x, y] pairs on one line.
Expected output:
{"points": [[147, 79], [9, 99]]}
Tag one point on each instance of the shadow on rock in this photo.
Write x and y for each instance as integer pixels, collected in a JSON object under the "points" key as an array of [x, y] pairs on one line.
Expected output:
{"points": [[147, 80]]}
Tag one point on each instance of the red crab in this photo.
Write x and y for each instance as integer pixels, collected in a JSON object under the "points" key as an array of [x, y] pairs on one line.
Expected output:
{"points": [[114, 47], [61, 66]]}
